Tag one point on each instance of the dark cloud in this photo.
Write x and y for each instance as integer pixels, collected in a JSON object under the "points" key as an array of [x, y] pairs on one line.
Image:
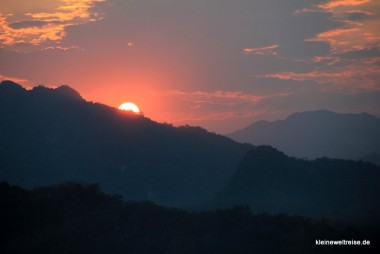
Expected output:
{"points": [[358, 15], [27, 23], [361, 53]]}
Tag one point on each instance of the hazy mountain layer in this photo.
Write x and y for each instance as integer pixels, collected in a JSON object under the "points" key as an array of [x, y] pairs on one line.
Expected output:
{"points": [[315, 134], [270, 181]]}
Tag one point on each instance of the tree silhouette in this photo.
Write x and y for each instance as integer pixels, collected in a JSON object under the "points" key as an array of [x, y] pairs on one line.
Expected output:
{"points": [[77, 218]]}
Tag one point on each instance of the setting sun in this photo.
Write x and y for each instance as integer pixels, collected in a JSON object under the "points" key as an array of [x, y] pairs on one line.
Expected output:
{"points": [[129, 106]]}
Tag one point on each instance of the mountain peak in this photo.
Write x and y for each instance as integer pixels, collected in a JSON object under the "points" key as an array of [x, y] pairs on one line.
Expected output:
{"points": [[62, 92], [10, 86], [68, 92], [314, 134], [264, 155], [311, 114], [265, 152], [326, 114], [64, 139], [269, 181]]}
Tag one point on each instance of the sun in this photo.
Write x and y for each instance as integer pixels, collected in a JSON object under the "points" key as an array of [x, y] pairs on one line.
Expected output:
{"points": [[129, 106]]}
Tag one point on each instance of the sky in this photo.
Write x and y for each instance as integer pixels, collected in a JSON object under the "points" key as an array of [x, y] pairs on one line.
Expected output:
{"points": [[218, 64]]}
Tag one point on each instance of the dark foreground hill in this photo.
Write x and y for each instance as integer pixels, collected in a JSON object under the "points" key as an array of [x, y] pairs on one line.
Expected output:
{"points": [[49, 136], [72, 218], [314, 134], [269, 181]]}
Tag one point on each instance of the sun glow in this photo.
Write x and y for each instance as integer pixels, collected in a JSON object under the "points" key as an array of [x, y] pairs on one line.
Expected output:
{"points": [[129, 106]]}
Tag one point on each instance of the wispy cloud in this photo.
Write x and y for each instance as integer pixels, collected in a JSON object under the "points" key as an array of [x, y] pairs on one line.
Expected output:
{"points": [[355, 33], [47, 27], [63, 48], [329, 60], [18, 80], [338, 3], [359, 15], [219, 106], [359, 21], [267, 50], [351, 76], [227, 98], [218, 116]]}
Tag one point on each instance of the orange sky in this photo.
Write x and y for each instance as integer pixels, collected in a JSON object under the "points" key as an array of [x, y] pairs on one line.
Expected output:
{"points": [[218, 64]]}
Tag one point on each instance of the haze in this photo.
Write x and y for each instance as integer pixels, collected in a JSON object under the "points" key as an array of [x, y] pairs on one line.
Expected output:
{"points": [[214, 63]]}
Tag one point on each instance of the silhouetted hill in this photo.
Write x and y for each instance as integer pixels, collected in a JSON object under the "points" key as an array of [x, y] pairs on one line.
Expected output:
{"points": [[60, 93], [52, 135], [270, 181], [372, 157], [315, 134], [72, 218]]}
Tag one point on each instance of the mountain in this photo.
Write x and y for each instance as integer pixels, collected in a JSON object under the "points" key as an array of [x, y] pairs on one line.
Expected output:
{"points": [[314, 134], [74, 218], [270, 181], [372, 157], [48, 136]]}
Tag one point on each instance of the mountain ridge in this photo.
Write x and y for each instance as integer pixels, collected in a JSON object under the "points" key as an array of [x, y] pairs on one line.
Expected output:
{"points": [[314, 134], [269, 181], [49, 136]]}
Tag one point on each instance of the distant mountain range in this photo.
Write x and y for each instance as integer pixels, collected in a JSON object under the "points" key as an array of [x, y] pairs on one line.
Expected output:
{"points": [[269, 181], [49, 136], [314, 134]]}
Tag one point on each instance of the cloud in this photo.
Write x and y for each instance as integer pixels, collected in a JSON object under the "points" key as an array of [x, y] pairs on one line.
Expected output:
{"points": [[30, 35], [338, 3], [351, 75], [62, 48], [46, 27], [268, 50], [357, 15], [18, 80], [329, 60], [217, 117], [352, 63], [229, 61], [216, 107], [225, 98], [357, 30], [27, 23]]}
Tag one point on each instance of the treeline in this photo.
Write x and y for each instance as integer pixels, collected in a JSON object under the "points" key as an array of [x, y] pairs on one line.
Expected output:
{"points": [[77, 218]]}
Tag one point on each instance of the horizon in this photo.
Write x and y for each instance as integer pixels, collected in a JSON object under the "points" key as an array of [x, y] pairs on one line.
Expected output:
{"points": [[185, 124], [216, 64]]}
